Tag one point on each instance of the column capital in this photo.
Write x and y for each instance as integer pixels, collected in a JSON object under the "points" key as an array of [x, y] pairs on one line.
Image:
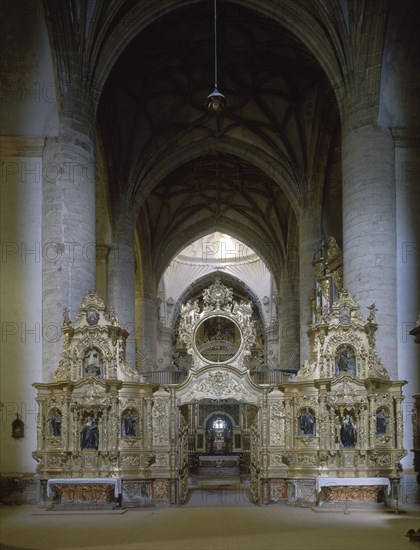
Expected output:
{"points": [[21, 146], [406, 137]]}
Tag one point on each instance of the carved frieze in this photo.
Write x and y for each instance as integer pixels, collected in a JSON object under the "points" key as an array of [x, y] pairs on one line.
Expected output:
{"points": [[219, 384], [307, 460], [130, 461]]}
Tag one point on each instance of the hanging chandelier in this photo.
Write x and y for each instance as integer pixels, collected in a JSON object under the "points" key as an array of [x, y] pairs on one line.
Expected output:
{"points": [[216, 101]]}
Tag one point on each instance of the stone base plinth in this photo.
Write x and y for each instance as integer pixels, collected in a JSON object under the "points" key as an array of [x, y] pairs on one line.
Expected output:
{"points": [[137, 493]]}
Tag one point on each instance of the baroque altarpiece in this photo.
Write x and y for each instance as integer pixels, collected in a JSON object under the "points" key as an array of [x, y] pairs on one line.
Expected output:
{"points": [[97, 419], [336, 425]]}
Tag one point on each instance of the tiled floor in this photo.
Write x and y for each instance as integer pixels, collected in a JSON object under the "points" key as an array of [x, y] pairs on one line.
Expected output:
{"points": [[211, 519]]}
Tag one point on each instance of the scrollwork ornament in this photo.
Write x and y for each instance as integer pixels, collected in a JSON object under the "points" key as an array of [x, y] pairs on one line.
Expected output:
{"points": [[160, 422]]}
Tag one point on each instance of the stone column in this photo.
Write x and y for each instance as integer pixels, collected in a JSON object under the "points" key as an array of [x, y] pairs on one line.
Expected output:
{"points": [[288, 314], [309, 236], [407, 173], [146, 310], [68, 230], [102, 252], [120, 272], [369, 230]]}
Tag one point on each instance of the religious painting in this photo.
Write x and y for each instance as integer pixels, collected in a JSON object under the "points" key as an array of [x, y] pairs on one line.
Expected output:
{"points": [[92, 316], [218, 339], [344, 316]]}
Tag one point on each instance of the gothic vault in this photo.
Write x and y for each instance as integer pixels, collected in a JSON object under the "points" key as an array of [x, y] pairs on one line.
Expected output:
{"points": [[184, 290]]}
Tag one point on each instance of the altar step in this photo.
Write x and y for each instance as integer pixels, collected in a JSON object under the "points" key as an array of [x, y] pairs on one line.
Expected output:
{"points": [[223, 471]]}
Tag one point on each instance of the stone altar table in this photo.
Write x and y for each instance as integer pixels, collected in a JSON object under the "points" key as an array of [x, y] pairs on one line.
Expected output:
{"points": [[360, 490], [84, 493]]}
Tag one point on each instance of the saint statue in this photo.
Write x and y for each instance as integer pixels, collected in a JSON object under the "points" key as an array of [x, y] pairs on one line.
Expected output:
{"points": [[307, 423], [345, 362], [381, 422], [89, 435], [55, 421], [347, 433], [92, 363], [129, 424]]}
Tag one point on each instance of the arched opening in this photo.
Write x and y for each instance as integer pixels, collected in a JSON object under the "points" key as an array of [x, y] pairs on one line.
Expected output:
{"points": [[223, 452]]}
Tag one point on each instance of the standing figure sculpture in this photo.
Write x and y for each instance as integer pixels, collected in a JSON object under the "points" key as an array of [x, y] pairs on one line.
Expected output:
{"points": [[129, 424], [55, 421], [89, 435], [92, 363], [307, 423], [345, 361], [347, 433], [381, 422]]}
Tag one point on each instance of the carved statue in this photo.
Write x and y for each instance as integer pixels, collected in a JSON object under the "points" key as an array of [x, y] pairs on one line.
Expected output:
{"points": [[381, 422], [307, 423], [55, 422], [372, 313], [89, 435], [92, 363], [333, 250], [129, 424], [347, 433], [345, 362]]}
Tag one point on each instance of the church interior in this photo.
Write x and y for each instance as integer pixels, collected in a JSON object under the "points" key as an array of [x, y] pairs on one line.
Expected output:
{"points": [[210, 273]]}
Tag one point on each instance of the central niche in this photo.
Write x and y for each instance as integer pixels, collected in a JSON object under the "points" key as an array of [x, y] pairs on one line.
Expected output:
{"points": [[217, 339]]}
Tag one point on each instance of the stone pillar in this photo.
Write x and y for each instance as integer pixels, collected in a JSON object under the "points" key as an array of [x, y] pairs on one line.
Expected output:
{"points": [[288, 314], [369, 229], [102, 252], [407, 173], [120, 273], [68, 230], [146, 309], [309, 237]]}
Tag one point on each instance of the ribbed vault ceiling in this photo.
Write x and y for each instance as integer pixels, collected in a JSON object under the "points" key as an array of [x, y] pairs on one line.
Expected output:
{"points": [[218, 191], [153, 108]]}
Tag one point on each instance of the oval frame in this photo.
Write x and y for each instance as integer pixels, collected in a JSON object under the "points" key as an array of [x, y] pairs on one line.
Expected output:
{"points": [[234, 356]]}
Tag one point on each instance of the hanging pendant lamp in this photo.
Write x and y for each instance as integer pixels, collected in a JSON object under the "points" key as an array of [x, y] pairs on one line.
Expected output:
{"points": [[216, 101]]}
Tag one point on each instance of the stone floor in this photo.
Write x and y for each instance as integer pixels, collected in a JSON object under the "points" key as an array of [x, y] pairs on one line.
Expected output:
{"points": [[214, 518]]}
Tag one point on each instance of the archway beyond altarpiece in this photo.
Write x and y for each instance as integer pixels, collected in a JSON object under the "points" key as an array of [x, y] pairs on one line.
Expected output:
{"points": [[231, 458]]}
